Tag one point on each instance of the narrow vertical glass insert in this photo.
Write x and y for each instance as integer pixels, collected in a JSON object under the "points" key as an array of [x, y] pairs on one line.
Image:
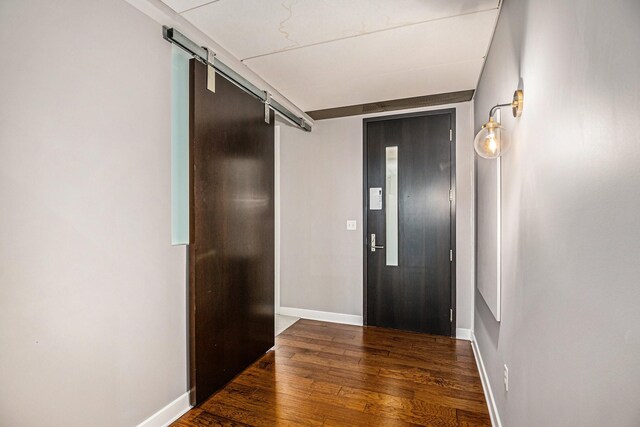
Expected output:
{"points": [[391, 204], [179, 146]]}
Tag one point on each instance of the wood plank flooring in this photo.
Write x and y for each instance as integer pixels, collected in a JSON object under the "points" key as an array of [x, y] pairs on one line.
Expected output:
{"points": [[327, 374]]}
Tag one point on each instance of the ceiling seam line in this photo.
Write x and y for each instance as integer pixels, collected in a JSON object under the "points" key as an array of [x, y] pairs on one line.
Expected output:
{"points": [[361, 35], [199, 6]]}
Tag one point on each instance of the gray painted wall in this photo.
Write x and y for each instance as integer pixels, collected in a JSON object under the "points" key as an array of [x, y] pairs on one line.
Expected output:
{"points": [[570, 330], [92, 295], [321, 188]]}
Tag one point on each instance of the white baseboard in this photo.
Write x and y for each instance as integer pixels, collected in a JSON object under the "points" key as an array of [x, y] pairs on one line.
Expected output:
{"points": [[486, 386], [463, 334], [325, 316], [169, 413]]}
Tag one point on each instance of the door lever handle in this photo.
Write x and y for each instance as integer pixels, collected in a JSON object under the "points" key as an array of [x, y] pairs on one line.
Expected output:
{"points": [[373, 244]]}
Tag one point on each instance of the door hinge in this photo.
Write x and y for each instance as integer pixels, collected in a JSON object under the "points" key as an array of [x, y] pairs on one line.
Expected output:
{"points": [[450, 134], [450, 254], [451, 315], [451, 194]]}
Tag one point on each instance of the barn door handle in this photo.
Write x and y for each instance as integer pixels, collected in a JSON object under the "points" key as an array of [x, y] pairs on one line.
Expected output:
{"points": [[373, 244]]}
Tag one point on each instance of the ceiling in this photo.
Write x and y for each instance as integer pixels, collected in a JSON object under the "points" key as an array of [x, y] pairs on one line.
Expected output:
{"points": [[331, 53]]}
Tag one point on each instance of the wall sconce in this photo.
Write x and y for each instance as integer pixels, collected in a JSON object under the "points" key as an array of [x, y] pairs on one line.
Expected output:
{"points": [[489, 142]]}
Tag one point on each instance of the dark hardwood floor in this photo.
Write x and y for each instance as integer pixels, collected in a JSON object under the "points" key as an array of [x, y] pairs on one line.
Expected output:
{"points": [[327, 374]]}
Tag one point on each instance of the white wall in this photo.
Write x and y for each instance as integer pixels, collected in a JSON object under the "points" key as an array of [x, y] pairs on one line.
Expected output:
{"points": [[321, 188], [570, 330], [92, 295]]}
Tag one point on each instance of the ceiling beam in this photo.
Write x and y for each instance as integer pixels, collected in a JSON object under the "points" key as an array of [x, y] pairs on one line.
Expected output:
{"points": [[391, 105]]}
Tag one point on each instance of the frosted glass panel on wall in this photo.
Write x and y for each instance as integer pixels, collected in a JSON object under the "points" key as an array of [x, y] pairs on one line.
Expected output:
{"points": [[488, 233], [179, 146], [391, 173]]}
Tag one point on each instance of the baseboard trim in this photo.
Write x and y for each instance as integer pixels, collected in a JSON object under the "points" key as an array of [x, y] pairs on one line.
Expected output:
{"points": [[325, 316], [169, 413], [486, 386], [463, 334]]}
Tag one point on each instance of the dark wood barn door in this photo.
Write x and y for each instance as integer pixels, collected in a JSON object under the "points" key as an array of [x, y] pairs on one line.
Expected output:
{"points": [[409, 175], [231, 255]]}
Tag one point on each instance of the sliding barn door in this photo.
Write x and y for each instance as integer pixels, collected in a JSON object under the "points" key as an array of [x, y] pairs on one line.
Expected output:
{"points": [[231, 256]]}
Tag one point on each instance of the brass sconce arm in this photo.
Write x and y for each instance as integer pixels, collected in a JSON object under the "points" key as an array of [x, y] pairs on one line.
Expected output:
{"points": [[495, 107], [516, 104]]}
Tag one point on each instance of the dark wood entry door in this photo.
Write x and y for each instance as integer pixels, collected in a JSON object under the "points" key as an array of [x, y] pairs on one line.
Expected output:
{"points": [[231, 255], [409, 177]]}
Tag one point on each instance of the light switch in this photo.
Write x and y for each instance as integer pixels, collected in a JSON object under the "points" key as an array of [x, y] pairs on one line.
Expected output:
{"points": [[351, 224]]}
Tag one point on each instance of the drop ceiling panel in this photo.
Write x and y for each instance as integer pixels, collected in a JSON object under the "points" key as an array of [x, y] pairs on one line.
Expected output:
{"points": [[423, 49], [249, 28], [374, 88], [331, 53]]}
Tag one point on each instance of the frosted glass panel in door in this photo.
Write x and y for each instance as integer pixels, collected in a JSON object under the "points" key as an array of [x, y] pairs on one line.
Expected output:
{"points": [[391, 205]]}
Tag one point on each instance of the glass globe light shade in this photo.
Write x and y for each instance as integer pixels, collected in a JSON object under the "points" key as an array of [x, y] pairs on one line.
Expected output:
{"points": [[490, 142]]}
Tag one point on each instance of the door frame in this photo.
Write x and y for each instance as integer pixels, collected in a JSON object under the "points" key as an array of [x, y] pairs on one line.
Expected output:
{"points": [[452, 207]]}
